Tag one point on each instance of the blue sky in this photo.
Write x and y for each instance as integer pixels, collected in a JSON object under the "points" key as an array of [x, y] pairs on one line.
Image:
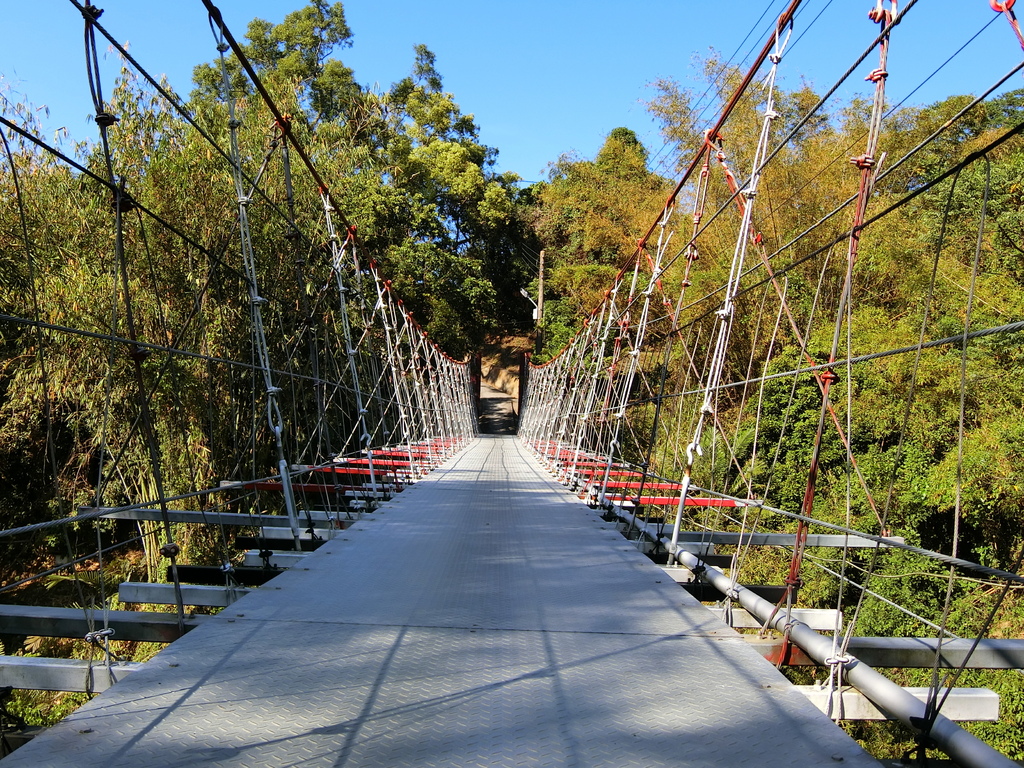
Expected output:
{"points": [[542, 78]]}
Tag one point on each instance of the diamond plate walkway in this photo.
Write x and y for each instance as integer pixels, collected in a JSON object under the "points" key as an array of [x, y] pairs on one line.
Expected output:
{"points": [[484, 618]]}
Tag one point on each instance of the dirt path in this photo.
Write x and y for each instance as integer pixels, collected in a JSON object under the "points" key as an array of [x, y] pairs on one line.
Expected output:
{"points": [[497, 412]]}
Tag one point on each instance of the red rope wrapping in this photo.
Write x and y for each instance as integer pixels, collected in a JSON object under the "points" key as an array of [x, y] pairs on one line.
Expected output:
{"points": [[866, 164], [1006, 8]]}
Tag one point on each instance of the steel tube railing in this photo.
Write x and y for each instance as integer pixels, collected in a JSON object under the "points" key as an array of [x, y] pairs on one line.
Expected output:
{"points": [[965, 749]]}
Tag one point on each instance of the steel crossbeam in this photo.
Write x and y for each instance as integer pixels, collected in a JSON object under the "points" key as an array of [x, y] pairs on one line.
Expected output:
{"points": [[72, 675], [488, 645], [45, 621]]}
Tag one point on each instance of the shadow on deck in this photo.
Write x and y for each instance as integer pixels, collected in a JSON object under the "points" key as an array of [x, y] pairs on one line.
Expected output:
{"points": [[497, 412]]}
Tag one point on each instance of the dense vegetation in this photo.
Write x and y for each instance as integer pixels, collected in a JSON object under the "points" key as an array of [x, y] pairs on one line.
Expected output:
{"points": [[407, 167], [950, 251]]}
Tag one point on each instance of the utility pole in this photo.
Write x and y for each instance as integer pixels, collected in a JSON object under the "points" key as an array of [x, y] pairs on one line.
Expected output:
{"points": [[540, 305]]}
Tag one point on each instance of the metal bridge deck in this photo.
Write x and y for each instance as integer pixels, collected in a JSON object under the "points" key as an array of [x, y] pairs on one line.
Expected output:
{"points": [[485, 617]]}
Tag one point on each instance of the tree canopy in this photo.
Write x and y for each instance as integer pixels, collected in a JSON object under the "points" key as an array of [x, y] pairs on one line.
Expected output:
{"points": [[457, 240]]}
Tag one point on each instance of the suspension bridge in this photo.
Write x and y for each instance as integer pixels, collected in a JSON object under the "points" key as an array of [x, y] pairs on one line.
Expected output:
{"points": [[391, 563]]}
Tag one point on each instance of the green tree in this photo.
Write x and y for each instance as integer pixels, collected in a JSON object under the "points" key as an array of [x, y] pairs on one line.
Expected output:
{"points": [[589, 216], [459, 258], [296, 51]]}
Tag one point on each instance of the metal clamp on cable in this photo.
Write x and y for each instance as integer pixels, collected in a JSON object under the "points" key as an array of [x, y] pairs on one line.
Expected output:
{"points": [[98, 635], [839, 661], [170, 550], [863, 162], [123, 201], [138, 353], [829, 377], [105, 119]]}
